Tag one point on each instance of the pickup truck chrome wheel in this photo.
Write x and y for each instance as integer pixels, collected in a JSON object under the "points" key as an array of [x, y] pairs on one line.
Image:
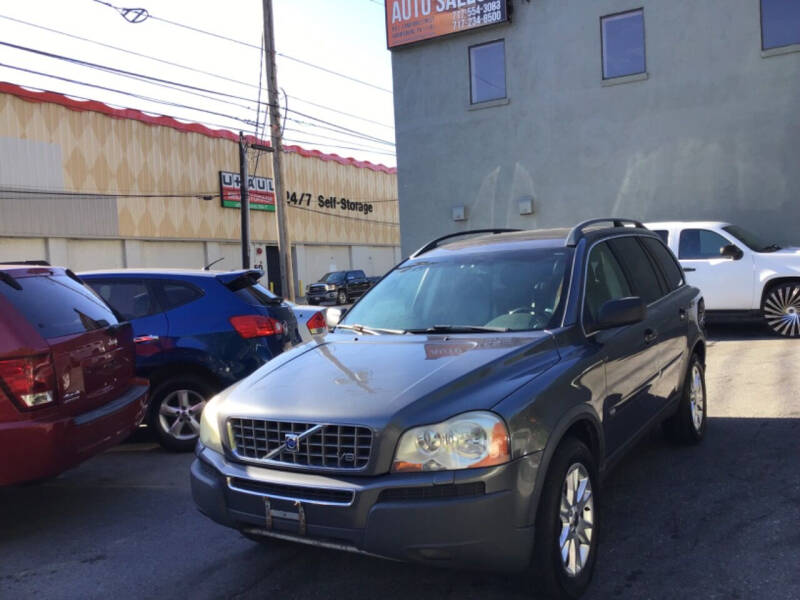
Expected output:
{"points": [[341, 297], [697, 398], [782, 310], [577, 519]]}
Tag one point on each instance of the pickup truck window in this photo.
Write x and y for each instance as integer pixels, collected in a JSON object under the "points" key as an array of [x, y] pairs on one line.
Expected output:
{"points": [[356, 275], [698, 244], [334, 277]]}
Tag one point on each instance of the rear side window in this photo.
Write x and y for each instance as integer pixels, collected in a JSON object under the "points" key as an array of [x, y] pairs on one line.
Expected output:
{"points": [[258, 295], [131, 298], [663, 234], [605, 281], [57, 305], [176, 293], [640, 269], [700, 244], [673, 274]]}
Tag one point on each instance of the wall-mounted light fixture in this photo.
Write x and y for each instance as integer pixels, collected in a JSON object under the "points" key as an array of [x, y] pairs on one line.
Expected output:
{"points": [[459, 213], [526, 205]]}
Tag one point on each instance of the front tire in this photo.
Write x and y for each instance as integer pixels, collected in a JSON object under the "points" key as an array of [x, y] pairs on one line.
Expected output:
{"points": [[565, 548], [341, 297], [688, 424], [781, 309], [175, 409]]}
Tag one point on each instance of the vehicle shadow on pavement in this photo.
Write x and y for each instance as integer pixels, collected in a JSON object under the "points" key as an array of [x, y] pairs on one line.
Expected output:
{"points": [[719, 332], [679, 522], [714, 520]]}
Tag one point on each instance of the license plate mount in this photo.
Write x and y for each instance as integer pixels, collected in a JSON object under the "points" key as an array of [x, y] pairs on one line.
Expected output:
{"points": [[288, 510]]}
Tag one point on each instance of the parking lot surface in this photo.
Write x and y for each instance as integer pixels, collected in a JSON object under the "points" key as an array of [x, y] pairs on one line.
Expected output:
{"points": [[719, 520]]}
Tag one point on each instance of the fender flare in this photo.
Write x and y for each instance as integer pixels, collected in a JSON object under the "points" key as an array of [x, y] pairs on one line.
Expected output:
{"points": [[581, 412]]}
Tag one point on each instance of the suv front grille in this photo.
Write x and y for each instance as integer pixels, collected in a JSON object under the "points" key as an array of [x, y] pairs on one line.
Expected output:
{"points": [[306, 444]]}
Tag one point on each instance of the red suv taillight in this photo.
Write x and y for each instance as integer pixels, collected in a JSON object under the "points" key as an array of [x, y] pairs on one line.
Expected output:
{"points": [[30, 381], [316, 324], [250, 326]]}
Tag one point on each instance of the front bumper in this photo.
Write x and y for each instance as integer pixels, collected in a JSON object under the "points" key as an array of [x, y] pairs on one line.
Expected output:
{"points": [[321, 296], [473, 518], [45, 446]]}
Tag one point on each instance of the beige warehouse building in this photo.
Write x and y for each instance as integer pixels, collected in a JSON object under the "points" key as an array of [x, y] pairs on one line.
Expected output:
{"points": [[89, 186]]}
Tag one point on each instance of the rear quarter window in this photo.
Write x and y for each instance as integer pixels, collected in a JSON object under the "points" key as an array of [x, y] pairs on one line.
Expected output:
{"points": [[641, 270], [673, 274], [57, 305], [177, 293], [258, 295]]}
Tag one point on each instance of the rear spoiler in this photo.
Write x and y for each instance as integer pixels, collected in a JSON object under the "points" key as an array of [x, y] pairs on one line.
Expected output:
{"points": [[236, 280]]}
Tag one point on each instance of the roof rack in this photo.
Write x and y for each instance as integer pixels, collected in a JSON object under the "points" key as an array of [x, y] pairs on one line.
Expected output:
{"points": [[435, 243], [38, 263], [577, 232]]}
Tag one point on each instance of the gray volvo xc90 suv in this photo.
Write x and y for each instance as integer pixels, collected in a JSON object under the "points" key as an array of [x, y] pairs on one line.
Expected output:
{"points": [[465, 409]]}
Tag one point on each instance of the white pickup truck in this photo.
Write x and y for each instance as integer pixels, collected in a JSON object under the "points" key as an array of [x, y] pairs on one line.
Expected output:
{"points": [[740, 275]]}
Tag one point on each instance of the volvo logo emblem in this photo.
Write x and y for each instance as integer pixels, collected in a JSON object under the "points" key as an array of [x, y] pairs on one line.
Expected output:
{"points": [[292, 442]]}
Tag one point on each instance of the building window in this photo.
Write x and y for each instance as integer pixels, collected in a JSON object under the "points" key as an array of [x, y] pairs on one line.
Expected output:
{"points": [[623, 44], [487, 72], [780, 23]]}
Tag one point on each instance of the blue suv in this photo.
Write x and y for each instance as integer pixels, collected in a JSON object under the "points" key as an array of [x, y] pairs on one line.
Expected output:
{"points": [[196, 333]]}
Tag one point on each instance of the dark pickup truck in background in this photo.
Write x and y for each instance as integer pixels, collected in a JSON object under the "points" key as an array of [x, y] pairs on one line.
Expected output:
{"points": [[338, 287]]}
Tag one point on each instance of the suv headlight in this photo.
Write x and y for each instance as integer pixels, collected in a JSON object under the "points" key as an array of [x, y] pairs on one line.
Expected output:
{"points": [[470, 440], [209, 425]]}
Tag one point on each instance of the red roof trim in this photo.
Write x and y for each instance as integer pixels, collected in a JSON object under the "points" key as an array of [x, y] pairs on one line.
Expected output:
{"points": [[136, 115]]}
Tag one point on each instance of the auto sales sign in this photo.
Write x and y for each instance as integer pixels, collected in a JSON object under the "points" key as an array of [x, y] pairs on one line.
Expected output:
{"points": [[261, 191], [409, 21]]}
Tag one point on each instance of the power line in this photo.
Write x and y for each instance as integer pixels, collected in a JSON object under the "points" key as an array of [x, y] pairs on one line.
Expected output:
{"points": [[190, 89], [325, 137], [340, 147], [187, 107], [249, 45], [191, 69], [41, 192], [333, 214], [124, 93]]}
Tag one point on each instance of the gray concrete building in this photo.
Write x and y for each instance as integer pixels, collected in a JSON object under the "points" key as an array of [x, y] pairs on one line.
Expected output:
{"points": [[649, 109]]}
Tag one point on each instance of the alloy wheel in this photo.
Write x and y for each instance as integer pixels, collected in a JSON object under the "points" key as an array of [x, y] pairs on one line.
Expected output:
{"points": [[782, 310], [697, 399], [179, 414], [576, 514]]}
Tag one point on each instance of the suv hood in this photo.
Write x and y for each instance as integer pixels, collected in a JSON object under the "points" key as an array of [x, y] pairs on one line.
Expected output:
{"points": [[399, 380]]}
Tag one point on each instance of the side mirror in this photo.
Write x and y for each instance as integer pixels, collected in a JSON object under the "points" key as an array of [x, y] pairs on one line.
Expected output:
{"points": [[623, 311], [731, 251], [333, 316]]}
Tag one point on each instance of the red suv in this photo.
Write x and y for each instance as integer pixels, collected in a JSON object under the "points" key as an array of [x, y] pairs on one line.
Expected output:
{"points": [[67, 384]]}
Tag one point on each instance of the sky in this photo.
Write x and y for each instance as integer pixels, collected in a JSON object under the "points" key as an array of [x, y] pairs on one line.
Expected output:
{"points": [[346, 36]]}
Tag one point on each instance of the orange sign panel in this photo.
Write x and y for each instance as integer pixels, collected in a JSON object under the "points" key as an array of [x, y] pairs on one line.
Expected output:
{"points": [[409, 21]]}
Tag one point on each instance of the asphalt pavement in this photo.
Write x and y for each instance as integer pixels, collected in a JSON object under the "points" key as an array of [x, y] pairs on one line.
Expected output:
{"points": [[718, 520]]}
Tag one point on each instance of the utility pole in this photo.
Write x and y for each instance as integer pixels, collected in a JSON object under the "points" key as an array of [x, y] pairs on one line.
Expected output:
{"points": [[287, 279], [244, 193]]}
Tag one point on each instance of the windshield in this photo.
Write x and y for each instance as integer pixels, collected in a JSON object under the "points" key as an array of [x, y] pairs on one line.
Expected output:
{"points": [[515, 291], [335, 277], [750, 239]]}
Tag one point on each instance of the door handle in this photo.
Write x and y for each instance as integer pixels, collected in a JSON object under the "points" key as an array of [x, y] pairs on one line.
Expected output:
{"points": [[688, 269], [682, 314], [650, 336]]}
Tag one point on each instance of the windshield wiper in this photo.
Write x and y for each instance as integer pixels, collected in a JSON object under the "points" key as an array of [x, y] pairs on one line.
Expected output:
{"points": [[460, 329], [370, 330], [771, 248]]}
